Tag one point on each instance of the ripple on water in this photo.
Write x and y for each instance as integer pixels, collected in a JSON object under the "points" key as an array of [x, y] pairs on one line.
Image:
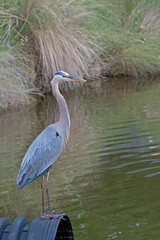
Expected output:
{"points": [[130, 148]]}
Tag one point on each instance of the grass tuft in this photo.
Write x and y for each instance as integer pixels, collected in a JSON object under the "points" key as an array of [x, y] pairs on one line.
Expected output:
{"points": [[130, 34], [16, 81]]}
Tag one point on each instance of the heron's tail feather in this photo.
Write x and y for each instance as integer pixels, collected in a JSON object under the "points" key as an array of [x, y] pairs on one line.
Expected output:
{"points": [[21, 180], [26, 176]]}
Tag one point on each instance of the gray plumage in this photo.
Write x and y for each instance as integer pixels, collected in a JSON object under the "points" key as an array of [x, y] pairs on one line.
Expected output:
{"points": [[47, 147]]}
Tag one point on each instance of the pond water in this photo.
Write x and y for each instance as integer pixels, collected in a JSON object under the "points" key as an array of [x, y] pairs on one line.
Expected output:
{"points": [[107, 179]]}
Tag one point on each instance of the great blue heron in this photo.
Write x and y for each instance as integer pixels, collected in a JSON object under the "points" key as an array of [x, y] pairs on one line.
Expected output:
{"points": [[47, 147]]}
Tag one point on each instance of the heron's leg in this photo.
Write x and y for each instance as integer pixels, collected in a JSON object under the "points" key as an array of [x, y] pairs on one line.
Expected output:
{"points": [[46, 187], [42, 187], [50, 215]]}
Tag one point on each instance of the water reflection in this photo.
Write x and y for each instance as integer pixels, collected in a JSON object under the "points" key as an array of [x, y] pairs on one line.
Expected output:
{"points": [[108, 175]]}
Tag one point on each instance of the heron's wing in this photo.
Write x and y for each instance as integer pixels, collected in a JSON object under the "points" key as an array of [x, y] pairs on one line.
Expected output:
{"points": [[42, 153]]}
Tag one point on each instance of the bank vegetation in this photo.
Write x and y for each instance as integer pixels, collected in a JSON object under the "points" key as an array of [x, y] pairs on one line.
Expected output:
{"points": [[88, 38]]}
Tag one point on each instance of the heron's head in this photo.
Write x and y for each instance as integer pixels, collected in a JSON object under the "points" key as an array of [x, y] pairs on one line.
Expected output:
{"points": [[63, 76], [60, 77]]}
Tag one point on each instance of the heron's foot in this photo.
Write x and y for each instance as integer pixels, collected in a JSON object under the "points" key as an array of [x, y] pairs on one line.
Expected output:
{"points": [[52, 216]]}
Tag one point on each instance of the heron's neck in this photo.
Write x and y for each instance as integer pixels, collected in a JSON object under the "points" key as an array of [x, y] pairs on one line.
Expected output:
{"points": [[64, 119]]}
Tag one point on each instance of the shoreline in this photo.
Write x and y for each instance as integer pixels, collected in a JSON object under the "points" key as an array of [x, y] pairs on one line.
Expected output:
{"points": [[94, 39]]}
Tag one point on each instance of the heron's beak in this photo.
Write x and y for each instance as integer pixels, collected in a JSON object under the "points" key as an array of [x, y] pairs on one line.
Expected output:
{"points": [[79, 80], [69, 77]]}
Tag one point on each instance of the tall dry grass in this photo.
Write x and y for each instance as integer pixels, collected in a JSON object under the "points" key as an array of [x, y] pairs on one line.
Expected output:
{"points": [[16, 81], [59, 42], [46, 33], [55, 37]]}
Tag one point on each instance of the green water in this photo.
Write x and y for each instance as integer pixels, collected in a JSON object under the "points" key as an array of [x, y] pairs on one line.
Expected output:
{"points": [[107, 179]]}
